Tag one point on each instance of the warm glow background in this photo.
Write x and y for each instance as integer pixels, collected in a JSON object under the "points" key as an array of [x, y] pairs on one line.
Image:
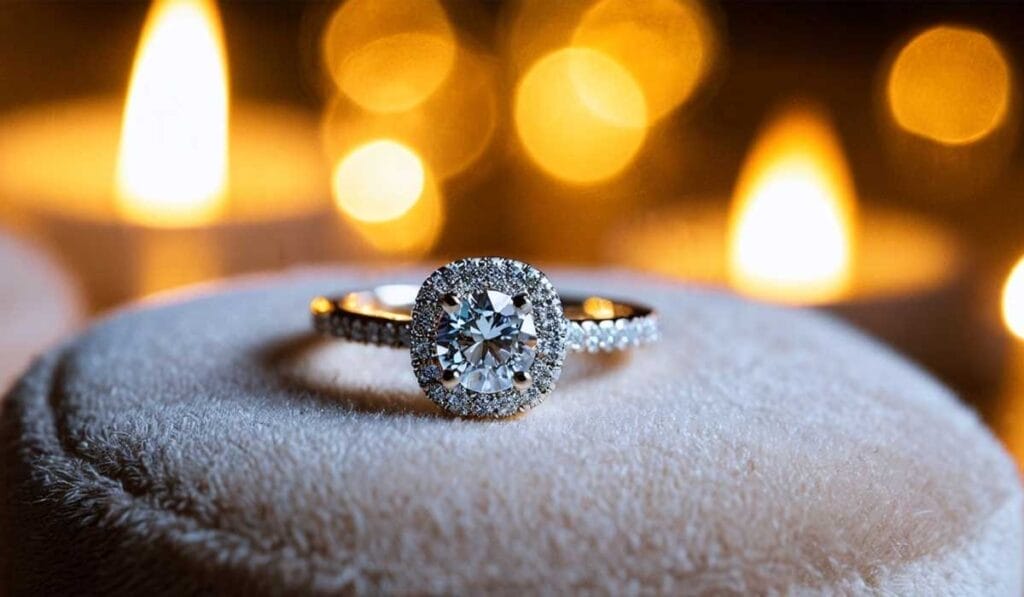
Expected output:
{"points": [[529, 127]]}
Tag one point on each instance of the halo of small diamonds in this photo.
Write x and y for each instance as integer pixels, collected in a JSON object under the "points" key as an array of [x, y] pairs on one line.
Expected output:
{"points": [[475, 275]]}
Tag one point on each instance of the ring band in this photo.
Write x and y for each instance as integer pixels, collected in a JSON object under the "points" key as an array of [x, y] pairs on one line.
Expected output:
{"points": [[487, 336], [382, 317]]}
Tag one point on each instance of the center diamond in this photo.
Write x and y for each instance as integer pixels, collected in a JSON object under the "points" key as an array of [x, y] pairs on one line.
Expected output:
{"points": [[486, 339]]}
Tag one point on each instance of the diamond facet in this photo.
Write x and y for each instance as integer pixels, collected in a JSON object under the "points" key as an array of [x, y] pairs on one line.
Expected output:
{"points": [[486, 339]]}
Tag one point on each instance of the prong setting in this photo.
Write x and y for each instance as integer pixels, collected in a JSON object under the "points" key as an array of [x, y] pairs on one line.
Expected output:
{"points": [[522, 303], [450, 379], [522, 380], [450, 302]]}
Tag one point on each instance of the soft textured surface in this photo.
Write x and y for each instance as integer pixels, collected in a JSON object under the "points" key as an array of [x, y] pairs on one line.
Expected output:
{"points": [[212, 445], [38, 304]]}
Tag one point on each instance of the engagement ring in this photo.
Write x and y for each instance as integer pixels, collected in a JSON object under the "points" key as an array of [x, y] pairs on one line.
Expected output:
{"points": [[487, 336]]}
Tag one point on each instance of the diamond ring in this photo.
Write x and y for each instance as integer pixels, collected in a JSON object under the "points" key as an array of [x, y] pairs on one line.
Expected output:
{"points": [[487, 336]]}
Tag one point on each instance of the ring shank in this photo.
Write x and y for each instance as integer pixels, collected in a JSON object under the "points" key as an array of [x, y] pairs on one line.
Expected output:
{"points": [[382, 316]]}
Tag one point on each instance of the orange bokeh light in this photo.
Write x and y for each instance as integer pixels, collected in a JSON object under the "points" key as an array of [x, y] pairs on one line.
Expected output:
{"points": [[389, 197], [668, 46], [580, 115], [378, 181], [450, 130], [389, 55], [950, 84]]}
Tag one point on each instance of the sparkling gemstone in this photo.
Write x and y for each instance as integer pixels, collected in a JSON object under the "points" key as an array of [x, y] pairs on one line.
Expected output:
{"points": [[486, 339]]}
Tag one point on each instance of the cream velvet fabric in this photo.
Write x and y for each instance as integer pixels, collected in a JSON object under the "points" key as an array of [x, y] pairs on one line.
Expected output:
{"points": [[38, 305], [212, 445]]}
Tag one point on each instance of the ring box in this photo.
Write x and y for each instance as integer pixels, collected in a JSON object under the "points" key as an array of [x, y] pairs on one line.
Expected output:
{"points": [[216, 444]]}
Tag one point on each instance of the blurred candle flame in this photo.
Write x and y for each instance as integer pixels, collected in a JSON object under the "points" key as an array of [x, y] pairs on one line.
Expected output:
{"points": [[792, 220], [1013, 300], [950, 85], [172, 163]]}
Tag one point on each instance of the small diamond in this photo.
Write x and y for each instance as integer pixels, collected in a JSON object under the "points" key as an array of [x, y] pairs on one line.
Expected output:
{"points": [[486, 339], [591, 337]]}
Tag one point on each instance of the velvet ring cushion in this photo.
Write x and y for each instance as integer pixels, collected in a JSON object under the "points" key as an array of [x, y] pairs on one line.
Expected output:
{"points": [[38, 304], [216, 445]]}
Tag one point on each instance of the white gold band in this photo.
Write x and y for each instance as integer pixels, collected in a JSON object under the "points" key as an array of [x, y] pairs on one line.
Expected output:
{"points": [[382, 317]]}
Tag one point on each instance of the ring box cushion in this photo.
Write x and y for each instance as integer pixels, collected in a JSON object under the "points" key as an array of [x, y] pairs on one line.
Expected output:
{"points": [[211, 444]]}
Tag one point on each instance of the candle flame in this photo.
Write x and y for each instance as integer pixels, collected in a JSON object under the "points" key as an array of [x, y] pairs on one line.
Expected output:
{"points": [[1013, 300], [792, 217], [172, 164]]}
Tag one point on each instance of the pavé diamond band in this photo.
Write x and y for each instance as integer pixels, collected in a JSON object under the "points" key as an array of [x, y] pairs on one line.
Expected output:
{"points": [[488, 336]]}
